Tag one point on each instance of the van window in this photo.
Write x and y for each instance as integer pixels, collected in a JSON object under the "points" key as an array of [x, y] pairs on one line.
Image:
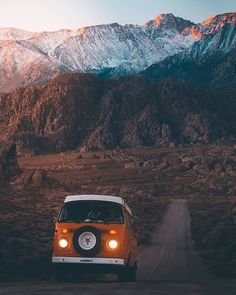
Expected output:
{"points": [[92, 211]]}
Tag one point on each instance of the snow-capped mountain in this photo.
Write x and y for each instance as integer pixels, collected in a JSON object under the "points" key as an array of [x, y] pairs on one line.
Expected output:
{"points": [[14, 34], [209, 62], [217, 34], [28, 58]]}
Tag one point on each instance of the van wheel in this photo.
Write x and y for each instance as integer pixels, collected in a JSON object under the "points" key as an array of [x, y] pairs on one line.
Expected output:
{"points": [[87, 241], [77, 276], [61, 275], [127, 275]]}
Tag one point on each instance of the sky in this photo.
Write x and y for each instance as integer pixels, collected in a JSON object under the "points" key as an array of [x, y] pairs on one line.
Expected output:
{"points": [[50, 15]]}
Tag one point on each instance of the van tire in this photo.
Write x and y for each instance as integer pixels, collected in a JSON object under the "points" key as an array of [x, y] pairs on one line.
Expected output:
{"points": [[64, 275], [61, 275], [127, 275]]}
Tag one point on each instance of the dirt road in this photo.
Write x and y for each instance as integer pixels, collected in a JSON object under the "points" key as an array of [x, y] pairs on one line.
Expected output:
{"points": [[169, 266]]}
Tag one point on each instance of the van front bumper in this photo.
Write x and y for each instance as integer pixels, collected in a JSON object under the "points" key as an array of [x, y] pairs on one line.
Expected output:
{"points": [[88, 260]]}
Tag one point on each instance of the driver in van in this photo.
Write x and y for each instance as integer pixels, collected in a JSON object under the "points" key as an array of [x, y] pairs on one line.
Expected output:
{"points": [[94, 215]]}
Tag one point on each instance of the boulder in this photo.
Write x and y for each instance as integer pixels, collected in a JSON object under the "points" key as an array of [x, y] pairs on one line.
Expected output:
{"points": [[39, 178], [129, 165], [150, 163], [163, 165]]}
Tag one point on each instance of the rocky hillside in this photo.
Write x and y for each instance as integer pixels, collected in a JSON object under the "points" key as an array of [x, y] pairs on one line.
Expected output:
{"points": [[81, 109], [27, 59], [215, 71]]}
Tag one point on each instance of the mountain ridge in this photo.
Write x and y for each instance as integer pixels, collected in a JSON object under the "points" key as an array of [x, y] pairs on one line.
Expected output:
{"points": [[37, 57]]}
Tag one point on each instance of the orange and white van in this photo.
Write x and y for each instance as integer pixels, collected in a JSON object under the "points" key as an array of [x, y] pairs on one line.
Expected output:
{"points": [[95, 233]]}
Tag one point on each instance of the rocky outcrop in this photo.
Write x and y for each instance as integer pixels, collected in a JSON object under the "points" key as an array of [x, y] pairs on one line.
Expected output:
{"points": [[34, 178], [128, 116], [8, 163], [56, 117], [135, 113]]}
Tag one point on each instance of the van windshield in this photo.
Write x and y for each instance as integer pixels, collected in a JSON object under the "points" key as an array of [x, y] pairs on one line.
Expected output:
{"points": [[91, 211]]}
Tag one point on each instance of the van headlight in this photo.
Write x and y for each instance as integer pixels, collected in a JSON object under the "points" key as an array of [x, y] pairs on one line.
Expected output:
{"points": [[113, 244], [63, 243]]}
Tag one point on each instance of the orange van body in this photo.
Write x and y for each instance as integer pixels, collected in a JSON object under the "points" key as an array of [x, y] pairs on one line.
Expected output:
{"points": [[97, 246]]}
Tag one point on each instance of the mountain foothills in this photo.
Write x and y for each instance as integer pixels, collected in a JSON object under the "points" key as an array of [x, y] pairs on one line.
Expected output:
{"points": [[170, 82], [82, 109], [111, 50]]}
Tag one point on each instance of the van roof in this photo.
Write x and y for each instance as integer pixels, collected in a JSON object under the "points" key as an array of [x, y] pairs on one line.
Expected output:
{"points": [[106, 198]]}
